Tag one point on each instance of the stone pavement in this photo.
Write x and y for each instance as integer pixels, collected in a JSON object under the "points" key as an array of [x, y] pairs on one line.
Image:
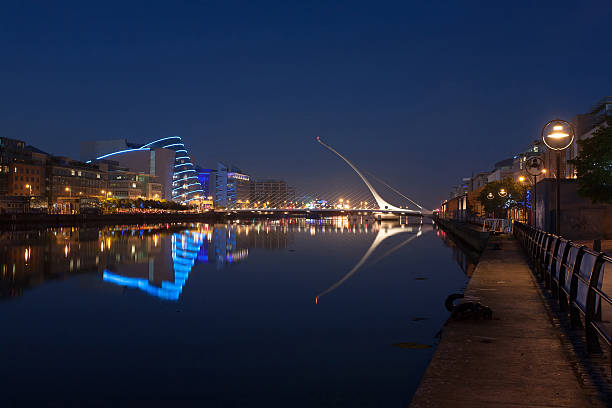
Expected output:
{"points": [[515, 360]]}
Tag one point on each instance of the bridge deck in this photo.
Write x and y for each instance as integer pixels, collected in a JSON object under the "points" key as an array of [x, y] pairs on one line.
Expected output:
{"points": [[515, 360]]}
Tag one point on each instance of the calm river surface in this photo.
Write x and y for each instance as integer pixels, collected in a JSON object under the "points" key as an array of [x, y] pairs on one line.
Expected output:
{"points": [[272, 313]]}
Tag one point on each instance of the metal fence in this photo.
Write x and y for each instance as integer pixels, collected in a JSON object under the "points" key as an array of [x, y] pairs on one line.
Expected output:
{"points": [[576, 277]]}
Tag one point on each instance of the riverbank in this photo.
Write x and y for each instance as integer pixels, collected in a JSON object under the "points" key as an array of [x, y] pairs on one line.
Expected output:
{"points": [[516, 359], [466, 233]]}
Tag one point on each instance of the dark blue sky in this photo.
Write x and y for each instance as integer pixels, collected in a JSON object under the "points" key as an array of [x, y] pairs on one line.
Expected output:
{"points": [[419, 93]]}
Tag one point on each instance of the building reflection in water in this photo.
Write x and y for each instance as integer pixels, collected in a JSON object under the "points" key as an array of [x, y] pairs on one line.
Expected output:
{"points": [[156, 259]]}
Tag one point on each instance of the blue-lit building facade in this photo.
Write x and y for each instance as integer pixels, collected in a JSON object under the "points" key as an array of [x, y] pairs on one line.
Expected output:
{"points": [[207, 178], [232, 187], [167, 159]]}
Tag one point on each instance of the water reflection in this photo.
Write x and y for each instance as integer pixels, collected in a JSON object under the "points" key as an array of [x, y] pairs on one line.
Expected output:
{"points": [[385, 230], [466, 257], [157, 259], [235, 307]]}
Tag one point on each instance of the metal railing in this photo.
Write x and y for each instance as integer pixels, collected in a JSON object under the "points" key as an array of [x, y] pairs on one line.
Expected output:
{"points": [[574, 274]]}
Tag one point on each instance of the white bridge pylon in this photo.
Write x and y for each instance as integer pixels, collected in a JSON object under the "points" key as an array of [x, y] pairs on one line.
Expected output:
{"points": [[382, 204]]}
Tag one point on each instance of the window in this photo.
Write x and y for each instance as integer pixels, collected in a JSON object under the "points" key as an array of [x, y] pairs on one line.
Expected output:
{"points": [[79, 174], [72, 172], [98, 175]]}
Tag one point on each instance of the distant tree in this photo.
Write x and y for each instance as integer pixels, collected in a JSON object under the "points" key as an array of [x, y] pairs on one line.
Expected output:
{"points": [[499, 205], [594, 165]]}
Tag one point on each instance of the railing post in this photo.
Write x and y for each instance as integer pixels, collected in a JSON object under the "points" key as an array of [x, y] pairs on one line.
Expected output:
{"points": [[561, 278], [590, 314], [573, 292]]}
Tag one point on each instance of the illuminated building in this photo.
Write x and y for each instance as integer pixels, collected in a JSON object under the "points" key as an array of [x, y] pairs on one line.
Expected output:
{"points": [[26, 179], [21, 169], [232, 187], [70, 181], [206, 177], [167, 159], [123, 183]]}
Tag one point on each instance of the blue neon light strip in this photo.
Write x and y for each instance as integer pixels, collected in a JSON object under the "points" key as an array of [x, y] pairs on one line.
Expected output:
{"points": [[165, 138], [188, 185], [183, 164], [183, 157], [184, 171], [174, 144], [184, 178], [181, 150], [122, 151]]}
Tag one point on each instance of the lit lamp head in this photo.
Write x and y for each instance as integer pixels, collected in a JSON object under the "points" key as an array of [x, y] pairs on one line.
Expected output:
{"points": [[490, 196], [534, 166], [502, 192], [521, 179], [558, 134]]}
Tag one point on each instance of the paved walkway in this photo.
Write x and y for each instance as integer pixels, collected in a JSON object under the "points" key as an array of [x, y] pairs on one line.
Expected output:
{"points": [[515, 360]]}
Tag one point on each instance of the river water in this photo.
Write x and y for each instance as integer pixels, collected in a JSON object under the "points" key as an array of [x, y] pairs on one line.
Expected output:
{"points": [[290, 312]]}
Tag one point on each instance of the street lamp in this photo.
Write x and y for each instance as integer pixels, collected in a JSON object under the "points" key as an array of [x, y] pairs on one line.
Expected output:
{"points": [[30, 187], [534, 167], [558, 135], [490, 196], [502, 192]]}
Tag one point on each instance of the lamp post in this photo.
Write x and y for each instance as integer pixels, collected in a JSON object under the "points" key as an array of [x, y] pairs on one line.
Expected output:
{"points": [[558, 135], [521, 179], [534, 167]]}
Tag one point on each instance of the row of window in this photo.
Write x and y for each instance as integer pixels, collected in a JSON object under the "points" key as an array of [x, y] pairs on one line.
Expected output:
{"points": [[31, 179]]}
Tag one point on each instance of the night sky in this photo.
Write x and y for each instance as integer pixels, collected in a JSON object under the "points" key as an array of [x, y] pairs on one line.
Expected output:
{"points": [[418, 93]]}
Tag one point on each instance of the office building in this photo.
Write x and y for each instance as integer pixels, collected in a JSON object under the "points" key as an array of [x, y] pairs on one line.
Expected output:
{"points": [[70, 181], [273, 193], [126, 184], [207, 180], [232, 187]]}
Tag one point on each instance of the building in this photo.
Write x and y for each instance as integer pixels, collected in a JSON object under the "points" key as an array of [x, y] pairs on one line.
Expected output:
{"points": [[479, 180], [26, 179], [14, 204], [274, 193], [21, 169], [232, 187], [69, 181], [126, 184], [502, 169], [167, 159], [207, 178]]}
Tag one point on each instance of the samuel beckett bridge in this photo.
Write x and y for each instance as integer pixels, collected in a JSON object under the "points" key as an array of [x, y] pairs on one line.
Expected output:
{"points": [[288, 201]]}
